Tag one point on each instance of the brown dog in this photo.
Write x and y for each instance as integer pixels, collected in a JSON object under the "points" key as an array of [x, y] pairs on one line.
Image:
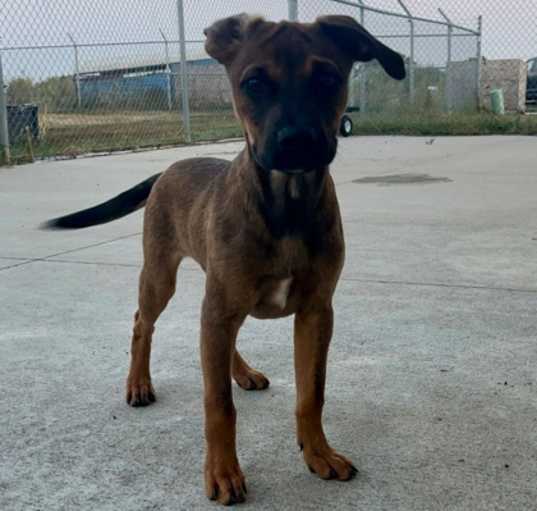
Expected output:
{"points": [[265, 227]]}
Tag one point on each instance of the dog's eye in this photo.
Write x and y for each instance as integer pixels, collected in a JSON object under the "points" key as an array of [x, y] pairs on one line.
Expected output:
{"points": [[327, 80], [255, 86]]}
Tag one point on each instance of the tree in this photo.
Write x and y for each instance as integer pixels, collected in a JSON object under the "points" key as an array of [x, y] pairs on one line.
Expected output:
{"points": [[20, 91]]}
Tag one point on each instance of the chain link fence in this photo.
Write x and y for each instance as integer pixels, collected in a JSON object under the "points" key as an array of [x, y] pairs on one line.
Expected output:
{"points": [[82, 77]]}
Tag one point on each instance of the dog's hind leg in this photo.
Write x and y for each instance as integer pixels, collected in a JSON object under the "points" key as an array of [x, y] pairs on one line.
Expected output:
{"points": [[245, 376], [157, 286]]}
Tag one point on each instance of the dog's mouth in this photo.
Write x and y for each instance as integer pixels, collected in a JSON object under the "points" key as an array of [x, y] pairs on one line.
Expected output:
{"points": [[295, 164], [293, 172]]}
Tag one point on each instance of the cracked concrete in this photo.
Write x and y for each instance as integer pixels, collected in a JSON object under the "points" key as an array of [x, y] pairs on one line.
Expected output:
{"points": [[432, 387]]}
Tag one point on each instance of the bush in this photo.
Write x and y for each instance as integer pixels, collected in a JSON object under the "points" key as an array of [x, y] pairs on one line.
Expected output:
{"points": [[58, 93]]}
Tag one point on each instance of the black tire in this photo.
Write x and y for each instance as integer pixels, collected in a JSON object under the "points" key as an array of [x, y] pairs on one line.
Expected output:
{"points": [[345, 128]]}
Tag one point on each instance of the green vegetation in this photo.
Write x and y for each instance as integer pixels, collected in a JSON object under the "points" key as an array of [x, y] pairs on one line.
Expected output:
{"points": [[58, 93], [438, 124], [70, 135], [66, 131]]}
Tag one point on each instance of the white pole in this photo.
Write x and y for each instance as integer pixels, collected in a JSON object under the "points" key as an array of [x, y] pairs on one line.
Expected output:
{"points": [[363, 72], [184, 71], [479, 58], [293, 9], [168, 71], [449, 54], [4, 133], [411, 67], [77, 71]]}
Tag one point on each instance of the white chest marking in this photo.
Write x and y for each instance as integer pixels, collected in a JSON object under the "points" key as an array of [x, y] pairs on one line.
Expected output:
{"points": [[294, 190], [283, 184], [281, 293]]}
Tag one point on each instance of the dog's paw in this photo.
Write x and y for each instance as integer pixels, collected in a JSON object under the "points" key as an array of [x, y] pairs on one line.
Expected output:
{"points": [[225, 484], [328, 464], [251, 379], [140, 394]]}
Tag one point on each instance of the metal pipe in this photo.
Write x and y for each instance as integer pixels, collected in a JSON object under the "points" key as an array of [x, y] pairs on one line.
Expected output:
{"points": [[404, 16], [468, 33], [363, 73], [445, 16], [184, 72], [98, 45], [411, 66], [479, 58], [77, 71], [449, 55], [292, 6], [420, 36], [168, 70], [4, 131]]}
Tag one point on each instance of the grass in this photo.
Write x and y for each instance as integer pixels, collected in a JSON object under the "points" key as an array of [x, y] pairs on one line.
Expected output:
{"points": [[70, 135], [415, 124]]}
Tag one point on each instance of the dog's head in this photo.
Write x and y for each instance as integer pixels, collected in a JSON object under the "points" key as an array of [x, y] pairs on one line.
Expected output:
{"points": [[290, 83]]}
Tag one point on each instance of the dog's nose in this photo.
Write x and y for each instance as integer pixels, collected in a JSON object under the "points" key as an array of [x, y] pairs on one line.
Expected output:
{"points": [[292, 138]]}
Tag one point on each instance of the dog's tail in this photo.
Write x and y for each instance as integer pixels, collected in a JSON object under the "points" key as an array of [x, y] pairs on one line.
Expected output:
{"points": [[121, 205]]}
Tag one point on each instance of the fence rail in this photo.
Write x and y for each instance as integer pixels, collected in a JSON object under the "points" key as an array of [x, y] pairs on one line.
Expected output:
{"points": [[98, 89]]}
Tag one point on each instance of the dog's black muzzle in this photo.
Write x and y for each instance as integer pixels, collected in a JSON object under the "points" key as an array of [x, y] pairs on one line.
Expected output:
{"points": [[296, 150]]}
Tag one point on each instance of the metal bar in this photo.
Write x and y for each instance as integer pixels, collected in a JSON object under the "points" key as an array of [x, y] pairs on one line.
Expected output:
{"points": [[411, 63], [479, 58], [77, 71], [448, 66], [449, 55], [184, 71], [292, 6], [450, 45], [363, 73], [168, 70], [201, 41], [420, 36], [362, 11], [4, 133], [404, 16], [445, 16], [98, 45]]}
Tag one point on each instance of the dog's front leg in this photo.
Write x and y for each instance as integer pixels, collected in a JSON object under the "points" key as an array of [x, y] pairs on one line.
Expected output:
{"points": [[313, 331], [219, 327]]}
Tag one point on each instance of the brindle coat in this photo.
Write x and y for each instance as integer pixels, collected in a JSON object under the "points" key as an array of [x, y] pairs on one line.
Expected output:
{"points": [[265, 228]]}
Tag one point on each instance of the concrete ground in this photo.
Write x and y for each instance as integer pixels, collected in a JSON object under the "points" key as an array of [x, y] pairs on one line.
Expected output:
{"points": [[432, 386]]}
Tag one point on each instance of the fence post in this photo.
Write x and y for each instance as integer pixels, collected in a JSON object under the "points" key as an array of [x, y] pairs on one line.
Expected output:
{"points": [[168, 70], [449, 55], [479, 58], [293, 9], [411, 67], [363, 74], [77, 71], [4, 133], [184, 71]]}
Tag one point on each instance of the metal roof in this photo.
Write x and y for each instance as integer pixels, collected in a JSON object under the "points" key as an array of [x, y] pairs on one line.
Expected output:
{"points": [[106, 60]]}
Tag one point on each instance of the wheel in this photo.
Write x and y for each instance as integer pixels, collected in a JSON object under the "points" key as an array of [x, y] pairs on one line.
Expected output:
{"points": [[346, 126]]}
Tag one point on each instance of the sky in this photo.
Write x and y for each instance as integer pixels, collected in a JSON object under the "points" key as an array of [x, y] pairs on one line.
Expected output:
{"points": [[509, 28]]}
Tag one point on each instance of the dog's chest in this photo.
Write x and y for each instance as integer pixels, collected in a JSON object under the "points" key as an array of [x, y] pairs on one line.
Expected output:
{"points": [[279, 294], [291, 258]]}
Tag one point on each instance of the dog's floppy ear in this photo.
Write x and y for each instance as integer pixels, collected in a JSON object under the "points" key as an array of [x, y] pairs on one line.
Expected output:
{"points": [[360, 45], [225, 36]]}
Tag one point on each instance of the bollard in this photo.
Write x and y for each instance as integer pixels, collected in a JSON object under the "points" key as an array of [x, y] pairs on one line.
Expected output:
{"points": [[497, 102]]}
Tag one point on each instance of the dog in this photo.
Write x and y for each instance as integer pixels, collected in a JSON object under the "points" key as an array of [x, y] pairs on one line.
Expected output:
{"points": [[265, 228]]}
